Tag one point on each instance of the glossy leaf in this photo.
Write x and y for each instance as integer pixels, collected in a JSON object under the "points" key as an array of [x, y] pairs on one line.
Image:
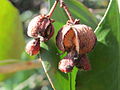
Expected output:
{"points": [[11, 37], [50, 59], [105, 58]]}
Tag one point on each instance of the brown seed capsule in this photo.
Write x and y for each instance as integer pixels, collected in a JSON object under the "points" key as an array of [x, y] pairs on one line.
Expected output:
{"points": [[41, 27], [33, 47], [83, 63], [76, 37], [66, 65]]}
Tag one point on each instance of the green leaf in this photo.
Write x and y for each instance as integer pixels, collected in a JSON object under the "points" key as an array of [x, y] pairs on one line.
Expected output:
{"points": [[105, 58], [11, 37], [81, 12], [50, 59]]}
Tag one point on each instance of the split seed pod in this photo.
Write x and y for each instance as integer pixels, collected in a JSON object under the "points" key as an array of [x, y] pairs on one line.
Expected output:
{"points": [[77, 37], [41, 27], [33, 47]]}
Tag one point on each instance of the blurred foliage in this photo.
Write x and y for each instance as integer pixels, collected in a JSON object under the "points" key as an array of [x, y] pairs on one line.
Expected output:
{"points": [[26, 80], [24, 5], [12, 47], [95, 3], [11, 36], [35, 79]]}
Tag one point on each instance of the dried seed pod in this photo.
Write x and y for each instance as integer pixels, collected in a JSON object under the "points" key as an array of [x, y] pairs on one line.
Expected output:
{"points": [[76, 37], [86, 39], [66, 65], [33, 47], [83, 63], [41, 27]]}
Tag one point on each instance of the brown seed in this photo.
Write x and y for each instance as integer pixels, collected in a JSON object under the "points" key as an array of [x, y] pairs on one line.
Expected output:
{"points": [[68, 40], [33, 47]]}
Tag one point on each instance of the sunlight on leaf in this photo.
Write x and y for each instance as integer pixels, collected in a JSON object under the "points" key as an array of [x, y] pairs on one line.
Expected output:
{"points": [[11, 37]]}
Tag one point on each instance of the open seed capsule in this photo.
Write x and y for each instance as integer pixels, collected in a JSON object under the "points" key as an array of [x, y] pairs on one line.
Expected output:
{"points": [[41, 27], [77, 37]]}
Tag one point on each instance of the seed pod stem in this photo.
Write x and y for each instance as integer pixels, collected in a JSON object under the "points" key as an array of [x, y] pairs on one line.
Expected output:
{"points": [[64, 6], [53, 8]]}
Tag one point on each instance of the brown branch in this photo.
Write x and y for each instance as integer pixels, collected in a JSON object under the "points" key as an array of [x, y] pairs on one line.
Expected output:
{"points": [[63, 5], [53, 8], [11, 68]]}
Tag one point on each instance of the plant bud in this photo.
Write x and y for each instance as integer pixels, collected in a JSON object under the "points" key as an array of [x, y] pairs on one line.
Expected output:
{"points": [[76, 37], [33, 47], [41, 27], [83, 63]]}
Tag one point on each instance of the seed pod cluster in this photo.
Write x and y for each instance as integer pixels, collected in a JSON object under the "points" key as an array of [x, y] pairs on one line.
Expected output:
{"points": [[71, 60], [41, 29], [79, 38], [74, 38]]}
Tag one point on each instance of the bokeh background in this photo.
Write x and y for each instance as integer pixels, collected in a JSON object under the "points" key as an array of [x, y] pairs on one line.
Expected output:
{"points": [[36, 79]]}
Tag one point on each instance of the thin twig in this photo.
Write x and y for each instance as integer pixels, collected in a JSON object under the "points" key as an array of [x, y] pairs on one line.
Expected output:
{"points": [[19, 66], [53, 8], [47, 74], [63, 5]]}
